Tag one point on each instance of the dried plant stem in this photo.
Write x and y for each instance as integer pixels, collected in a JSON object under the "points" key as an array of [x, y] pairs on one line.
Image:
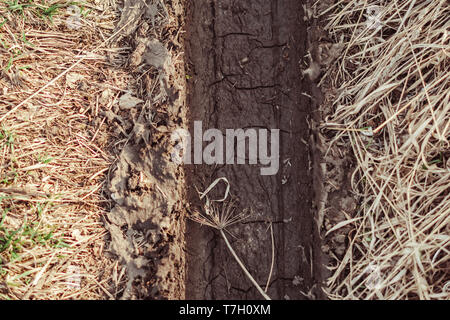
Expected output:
{"points": [[249, 276], [220, 219], [273, 257]]}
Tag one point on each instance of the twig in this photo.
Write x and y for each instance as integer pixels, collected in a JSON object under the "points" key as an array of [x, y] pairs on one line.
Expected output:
{"points": [[249, 276], [273, 257]]}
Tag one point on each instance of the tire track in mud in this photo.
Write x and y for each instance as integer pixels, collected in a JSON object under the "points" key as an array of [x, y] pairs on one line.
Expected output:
{"points": [[243, 59]]}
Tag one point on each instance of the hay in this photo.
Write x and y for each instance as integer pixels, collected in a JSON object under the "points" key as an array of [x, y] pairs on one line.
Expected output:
{"points": [[392, 108], [55, 151]]}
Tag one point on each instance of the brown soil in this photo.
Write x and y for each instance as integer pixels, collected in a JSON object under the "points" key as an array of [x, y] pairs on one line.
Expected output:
{"points": [[146, 223], [244, 59]]}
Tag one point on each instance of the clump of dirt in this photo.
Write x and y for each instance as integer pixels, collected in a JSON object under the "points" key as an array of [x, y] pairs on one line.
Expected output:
{"points": [[147, 221]]}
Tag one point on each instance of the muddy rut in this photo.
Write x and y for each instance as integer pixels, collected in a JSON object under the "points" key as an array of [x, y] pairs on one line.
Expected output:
{"points": [[243, 64]]}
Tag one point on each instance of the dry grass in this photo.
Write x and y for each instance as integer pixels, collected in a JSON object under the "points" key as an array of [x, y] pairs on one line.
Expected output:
{"points": [[55, 150], [393, 108]]}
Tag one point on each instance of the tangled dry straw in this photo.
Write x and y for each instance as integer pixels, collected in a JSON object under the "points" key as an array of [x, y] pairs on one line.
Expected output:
{"points": [[393, 108]]}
